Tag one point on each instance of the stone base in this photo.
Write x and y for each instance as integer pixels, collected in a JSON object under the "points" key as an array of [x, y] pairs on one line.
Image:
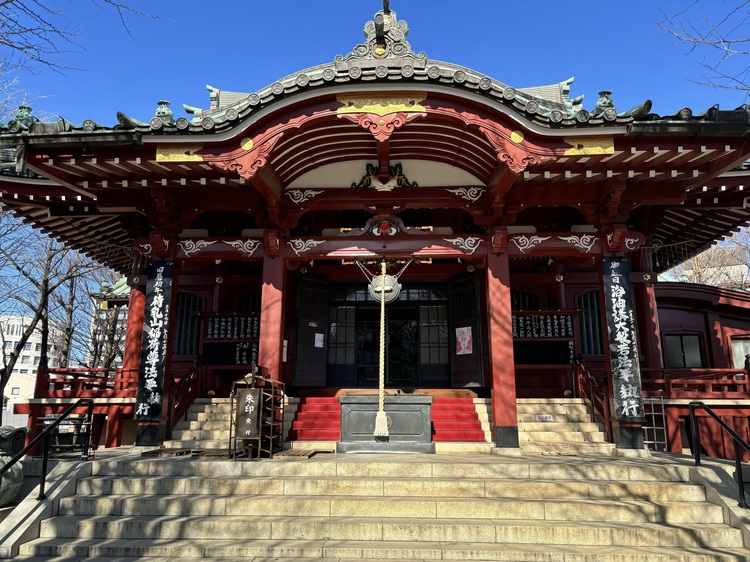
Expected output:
{"points": [[386, 447]]}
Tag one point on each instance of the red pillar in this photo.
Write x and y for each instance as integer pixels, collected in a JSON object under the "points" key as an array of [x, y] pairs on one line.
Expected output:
{"points": [[134, 331], [113, 434], [502, 368], [272, 316], [649, 333]]}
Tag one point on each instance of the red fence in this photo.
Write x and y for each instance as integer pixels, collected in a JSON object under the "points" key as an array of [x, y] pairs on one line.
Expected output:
{"points": [[87, 383], [695, 383]]}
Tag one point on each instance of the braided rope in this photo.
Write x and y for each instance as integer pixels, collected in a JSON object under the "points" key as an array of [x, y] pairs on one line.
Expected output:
{"points": [[381, 374]]}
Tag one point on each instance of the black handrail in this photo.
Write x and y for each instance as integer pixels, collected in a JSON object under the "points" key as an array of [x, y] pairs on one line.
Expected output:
{"points": [[45, 434], [736, 439]]}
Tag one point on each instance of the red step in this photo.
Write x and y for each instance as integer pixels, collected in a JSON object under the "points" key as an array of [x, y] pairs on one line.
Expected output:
{"points": [[456, 420], [318, 418]]}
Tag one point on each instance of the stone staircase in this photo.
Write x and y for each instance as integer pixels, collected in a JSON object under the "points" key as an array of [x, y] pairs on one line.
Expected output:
{"points": [[398, 507], [559, 426]]}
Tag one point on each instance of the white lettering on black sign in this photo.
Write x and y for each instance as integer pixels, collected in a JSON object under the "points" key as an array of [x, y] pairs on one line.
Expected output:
{"points": [[154, 343], [623, 349]]}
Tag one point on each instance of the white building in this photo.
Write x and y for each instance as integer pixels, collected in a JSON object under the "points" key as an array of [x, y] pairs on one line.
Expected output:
{"points": [[20, 386]]}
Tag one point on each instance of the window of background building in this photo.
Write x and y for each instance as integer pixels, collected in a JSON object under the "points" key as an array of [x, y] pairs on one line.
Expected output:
{"points": [[683, 351], [27, 346], [15, 391], [8, 345], [38, 347], [740, 348], [24, 360], [5, 402], [36, 360], [24, 371]]}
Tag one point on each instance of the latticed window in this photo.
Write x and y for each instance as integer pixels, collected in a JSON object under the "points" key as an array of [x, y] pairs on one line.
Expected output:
{"points": [[522, 300], [590, 323], [187, 324]]}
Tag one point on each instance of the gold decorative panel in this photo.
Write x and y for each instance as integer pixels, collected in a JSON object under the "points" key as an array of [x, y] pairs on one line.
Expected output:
{"points": [[173, 153], [382, 105], [588, 146]]}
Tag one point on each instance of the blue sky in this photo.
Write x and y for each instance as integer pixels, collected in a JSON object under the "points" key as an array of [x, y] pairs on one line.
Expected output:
{"points": [[243, 46]]}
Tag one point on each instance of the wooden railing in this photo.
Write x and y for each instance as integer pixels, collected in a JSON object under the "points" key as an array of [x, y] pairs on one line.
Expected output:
{"points": [[182, 393], [596, 396], [87, 383], [696, 383]]}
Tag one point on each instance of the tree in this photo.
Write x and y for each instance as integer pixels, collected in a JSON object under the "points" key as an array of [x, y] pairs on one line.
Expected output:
{"points": [[725, 264], [37, 33], [33, 267], [720, 40]]}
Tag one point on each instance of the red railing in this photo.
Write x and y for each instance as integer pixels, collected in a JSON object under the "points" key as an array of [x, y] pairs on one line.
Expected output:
{"points": [[182, 393], [87, 383], [595, 395], [695, 383]]}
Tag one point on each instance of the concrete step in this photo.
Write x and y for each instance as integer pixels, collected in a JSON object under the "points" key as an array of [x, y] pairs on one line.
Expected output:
{"points": [[90, 489], [356, 466], [575, 409], [558, 426], [198, 434], [118, 550], [538, 417], [577, 448], [388, 518], [197, 444], [355, 507], [564, 436]]}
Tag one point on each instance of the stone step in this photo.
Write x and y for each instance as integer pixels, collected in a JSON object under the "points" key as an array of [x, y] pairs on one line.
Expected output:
{"points": [[565, 436], [198, 434], [558, 426], [117, 550], [203, 416], [197, 444], [365, 519], [576, 409], [359, 467], [204, 426], [577, 448], [90, 488], [537, 417]]}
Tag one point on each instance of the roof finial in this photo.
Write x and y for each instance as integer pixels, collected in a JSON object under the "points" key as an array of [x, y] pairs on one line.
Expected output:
{"points": [[386, 6]]}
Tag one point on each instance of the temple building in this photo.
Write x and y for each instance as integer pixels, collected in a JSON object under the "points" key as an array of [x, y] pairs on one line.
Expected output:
{"points": [[514, 235]]}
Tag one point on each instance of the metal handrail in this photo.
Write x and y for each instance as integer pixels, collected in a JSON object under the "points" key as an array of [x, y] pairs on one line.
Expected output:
{"points": [[45, 434], [736, 439]]}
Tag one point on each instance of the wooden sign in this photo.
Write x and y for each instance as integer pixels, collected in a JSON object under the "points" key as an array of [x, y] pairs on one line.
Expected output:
{"points": [[623, 350], [247, 414]]}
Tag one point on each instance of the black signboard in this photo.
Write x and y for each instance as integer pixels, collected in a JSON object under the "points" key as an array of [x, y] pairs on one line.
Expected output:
{"points": [[540, 326], [623, 349], [247, 414], [154, 346]]}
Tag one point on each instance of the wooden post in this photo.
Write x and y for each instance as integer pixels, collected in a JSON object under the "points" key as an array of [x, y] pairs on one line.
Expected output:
{"points": [[134, 330], [272, 316], [502, 369]]}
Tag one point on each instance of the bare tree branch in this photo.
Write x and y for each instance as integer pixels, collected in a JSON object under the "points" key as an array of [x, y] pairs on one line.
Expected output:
{"points": [[720, 41], [37, 34]]}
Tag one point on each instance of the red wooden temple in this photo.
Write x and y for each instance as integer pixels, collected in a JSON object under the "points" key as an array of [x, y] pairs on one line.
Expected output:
{"points": [[526, 233]]}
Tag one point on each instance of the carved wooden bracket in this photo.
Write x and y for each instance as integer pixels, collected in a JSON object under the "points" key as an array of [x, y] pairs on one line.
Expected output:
{"points": [[381, 126], [159, 243], [248, 159], [499, 240], [615, 237], [514, 154], [271, 241]]}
